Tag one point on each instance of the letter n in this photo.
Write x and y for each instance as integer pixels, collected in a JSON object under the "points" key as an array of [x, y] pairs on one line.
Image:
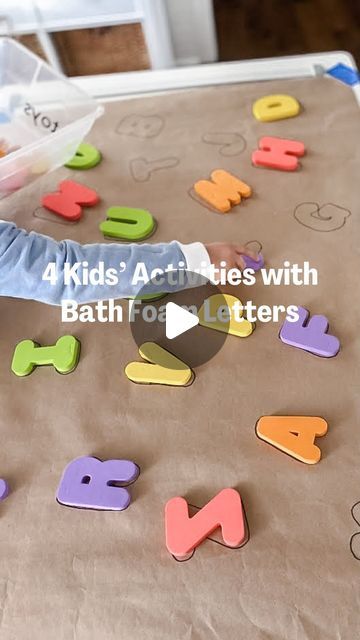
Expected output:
{"points": [[184, 534]]}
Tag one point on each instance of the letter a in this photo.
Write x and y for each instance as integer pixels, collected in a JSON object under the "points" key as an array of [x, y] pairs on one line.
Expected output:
{"points": [[184, 534], [223, 190], [294, 435]]}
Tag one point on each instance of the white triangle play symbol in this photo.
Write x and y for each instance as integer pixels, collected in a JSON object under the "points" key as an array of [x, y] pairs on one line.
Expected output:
{"points": [[178, 320]]}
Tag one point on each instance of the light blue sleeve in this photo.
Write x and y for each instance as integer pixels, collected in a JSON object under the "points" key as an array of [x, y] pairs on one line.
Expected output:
{"points": [[24, 257]]}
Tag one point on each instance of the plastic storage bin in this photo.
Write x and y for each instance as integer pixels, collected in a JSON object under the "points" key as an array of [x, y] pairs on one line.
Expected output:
{"points": [[42, 113]]}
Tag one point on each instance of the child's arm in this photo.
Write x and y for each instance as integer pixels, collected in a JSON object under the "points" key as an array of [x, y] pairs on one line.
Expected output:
{"points": [[25, 256]]}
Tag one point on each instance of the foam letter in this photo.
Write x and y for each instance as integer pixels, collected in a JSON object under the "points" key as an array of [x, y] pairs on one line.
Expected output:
{"points": [[294, 435], [127, 223], [209, 315], [161, 367], [89, 483], [64, 356], [278, 153], [223, 190], [4, 489], [275, 107], [184, 534], [66, 202], [85, 157], [310, 335]]}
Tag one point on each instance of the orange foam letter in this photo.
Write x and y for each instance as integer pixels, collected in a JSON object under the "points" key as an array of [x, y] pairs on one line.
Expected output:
{"points": [[294, 435], [223, 190]]}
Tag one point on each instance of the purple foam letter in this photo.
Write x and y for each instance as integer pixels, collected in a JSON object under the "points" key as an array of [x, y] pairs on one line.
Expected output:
{"points": [[254, 264], [4, 489], [310, 335], [89, 483]]}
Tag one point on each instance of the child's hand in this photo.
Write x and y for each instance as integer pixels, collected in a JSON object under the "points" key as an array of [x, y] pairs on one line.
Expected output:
{"points": [[229, 253]]}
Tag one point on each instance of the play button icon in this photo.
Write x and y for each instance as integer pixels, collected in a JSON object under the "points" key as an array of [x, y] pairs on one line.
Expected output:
{"points": [[178, 320], [167, 320]]}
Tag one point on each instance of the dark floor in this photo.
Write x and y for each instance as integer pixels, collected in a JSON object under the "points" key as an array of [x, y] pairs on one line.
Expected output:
{"points": [[263, 28]]}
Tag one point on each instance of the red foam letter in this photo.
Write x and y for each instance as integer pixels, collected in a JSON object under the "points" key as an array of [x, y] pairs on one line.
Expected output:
{"points": [[66, 202], [184, 534], [278, 153]]}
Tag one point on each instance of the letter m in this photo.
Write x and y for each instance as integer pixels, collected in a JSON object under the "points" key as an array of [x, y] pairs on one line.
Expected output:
{"points": [[184, 534], [223, 190]]}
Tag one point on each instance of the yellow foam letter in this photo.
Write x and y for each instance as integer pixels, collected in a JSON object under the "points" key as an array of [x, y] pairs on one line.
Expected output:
{"points": [[275, 107], [162, 367]]}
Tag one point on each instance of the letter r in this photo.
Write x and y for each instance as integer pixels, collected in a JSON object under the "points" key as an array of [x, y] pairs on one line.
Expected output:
{"points": [[89, 483]]}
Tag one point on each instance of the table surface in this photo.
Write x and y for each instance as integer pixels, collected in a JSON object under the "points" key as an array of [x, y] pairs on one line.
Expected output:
{"points": [[108, 575]]}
